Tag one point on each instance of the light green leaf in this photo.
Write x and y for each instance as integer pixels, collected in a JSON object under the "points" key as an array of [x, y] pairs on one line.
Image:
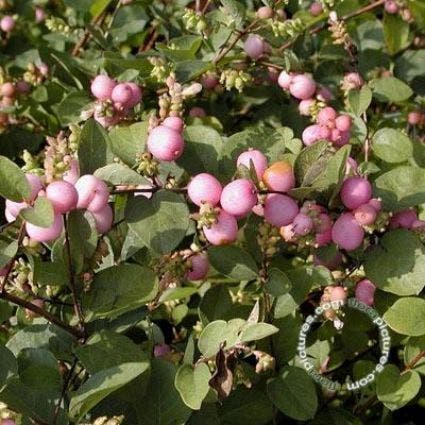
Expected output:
{"points": [[116, 174], [13, 184], [9, 366], [41, 214], [414, 346], [407, 316], [390, 89], [396, 33], [392, 145], [359, 100], [256, 331], [7, 251]]}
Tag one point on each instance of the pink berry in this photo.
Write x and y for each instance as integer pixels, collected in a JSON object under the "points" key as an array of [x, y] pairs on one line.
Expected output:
{"points": [[324, 94], [265, 12], [355, 191], [136, 94], [403, 219], [197, 111], [175, 123], [165, 144], [287, 233], [122, 94], [414, 118], [209, 81], [161, 350], [302, 224], [45, 234], [7, 89], [223, 231], [418, 225], [347, 233], [7, 23], [326, 115], [254, 46], [257, 158], [102, 87], [391, 7], [280, 210], [351, 166], [343, 139], [40, 15], [323, 223], [353, 80], [62, 195], [312, 134], [198, 267], [35, 184], [73, 173], [204, 188], [284, 80], [43, 68], [279, 176], [302, 87], [304, 107], [13, 209], [239, 197], [365, 292], [323, 238], [23, 87], [343, 123], [376, 203], [365, 214], [316, 8], [103, 219], [337, 293], [93, 193]]}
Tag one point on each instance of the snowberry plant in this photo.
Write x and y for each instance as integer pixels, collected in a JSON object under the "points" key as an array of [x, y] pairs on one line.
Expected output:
{"points": [[184, 183]]}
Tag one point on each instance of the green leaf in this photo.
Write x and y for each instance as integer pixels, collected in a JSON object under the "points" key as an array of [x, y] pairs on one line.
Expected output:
{"points": [[101, 384], [215, 303], [390, 89], [13, 184], [178, 293], [395, 391], [401, 188], [160, 222], [235, 10], [127, 142], [279, 283], [192, 384], [306, 162], [413, 347], [41, 214], [359, 100], [294, 393], [9, 366], [256, 331], [93, 150], [397, 264], [188, 70], [47, 273], [7, 251], [396, 33], [117, 290], [409, 65], [391, 145], [233, 262], [407, 316], [98, 6], [116, 174], [69, 109]]}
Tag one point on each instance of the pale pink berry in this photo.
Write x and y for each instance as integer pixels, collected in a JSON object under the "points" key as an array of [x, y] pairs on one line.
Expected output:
{"points": [[355, 191], [103, 219], [197, 111], [279, 176], [165, 144], [280, 210], [302, 224], [305, 106], [323, 238], [7, 23], [414, 118], [352, 80], [122, 94], [223, 231], [102, 86], [7, 89], [198, 266], [312, 134], [13, 209], [343, 122], [365, 215], [258, 210], [265, 12], [337, 293], [365, 292], [284, 80], [35, 184], [136, 94], [45, 234], [403, 219], [347, 233], [376, 203], [391, 7], [326, 115], [62, 195], [257, 158], [204, 188], [40, 15], [93, 193], [316, 8], [324, 94], [209, 81], [73, 173], [175, 123], [239, 197], [335, 135], [254, 46], [161, 350], [302, 87], [287, 233], [418, 225]]}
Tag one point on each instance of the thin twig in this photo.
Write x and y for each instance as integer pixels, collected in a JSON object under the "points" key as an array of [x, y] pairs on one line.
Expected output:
{"points": [[413, 362]]}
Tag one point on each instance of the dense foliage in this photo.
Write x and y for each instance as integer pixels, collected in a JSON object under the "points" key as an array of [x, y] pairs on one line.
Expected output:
{"points": [[183, 183]]}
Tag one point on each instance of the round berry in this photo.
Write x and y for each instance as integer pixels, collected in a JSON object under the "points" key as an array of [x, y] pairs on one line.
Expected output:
{"points": [[302, 87], [165, 144], [418, 225], [280, 210], [161, 350], [337, 293], [103, 219], [403, 219], [326, 115], [198, 112], [175, 123], [239, 197], [62, 195], [365, 292], [257, 158], [312, 134], [376, 203], [254, 46], [355, 191], [102, 87], [343, 122], [302, 224], [284, 80], [353, 80], [45, 234], [122, 94], [365, 215], [304, 108], [223, 231], [93, 194], [198, 266], [391, 7], [204, 188], [7, 89], [209, 81], [136, 96], [414, 117], [23, 87], [279, 176], [40, 15], [73, 173], [265, 12], [7, 23], [287, 233], [316, 8], [347, 233]]}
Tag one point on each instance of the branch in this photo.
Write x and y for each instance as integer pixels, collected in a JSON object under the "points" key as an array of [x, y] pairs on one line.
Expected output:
{"points": [[413, 362]]}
